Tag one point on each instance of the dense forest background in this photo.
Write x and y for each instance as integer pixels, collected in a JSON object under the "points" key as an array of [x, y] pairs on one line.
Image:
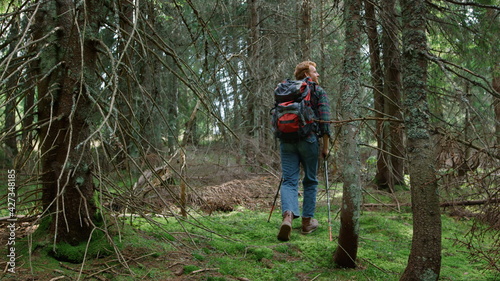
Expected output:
{"points": [[109, 100]]}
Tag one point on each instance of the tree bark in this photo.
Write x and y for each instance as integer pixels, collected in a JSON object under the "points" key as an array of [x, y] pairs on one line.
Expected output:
{"points": [[305, 30], [254, 66], [496, 104], [493, 24], [393, 132], [66, 167], [345, 254], [124, 143], [382, 176], [424, 262], [11, 89], [172, 110]]}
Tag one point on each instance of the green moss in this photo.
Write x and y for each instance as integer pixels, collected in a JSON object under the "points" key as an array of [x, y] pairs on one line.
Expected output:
{"points": [[198, 256], [40, 237], [98, 247], [428, 275], [190, 268], [79, 180], [260, 253], [384, 246]]}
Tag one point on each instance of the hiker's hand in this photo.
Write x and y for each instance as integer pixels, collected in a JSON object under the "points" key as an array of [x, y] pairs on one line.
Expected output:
{"points": [[324, 150]]}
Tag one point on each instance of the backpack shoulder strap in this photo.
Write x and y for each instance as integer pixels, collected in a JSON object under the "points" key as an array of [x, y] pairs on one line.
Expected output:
{"points": [[314, 93]]}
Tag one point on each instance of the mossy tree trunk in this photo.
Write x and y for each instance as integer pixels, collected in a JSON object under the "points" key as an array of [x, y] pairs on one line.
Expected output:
{"points": [[345, 254], [66, 65], [424, 262]]}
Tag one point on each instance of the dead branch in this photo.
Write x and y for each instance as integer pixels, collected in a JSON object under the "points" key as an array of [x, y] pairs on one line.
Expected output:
{"points": [[471, 202], [488, 151], [203, 269], [361, 119], [444, 204]]}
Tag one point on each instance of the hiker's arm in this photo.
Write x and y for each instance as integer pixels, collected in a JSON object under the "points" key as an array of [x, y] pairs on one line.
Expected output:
{"points": [[324, 115]]}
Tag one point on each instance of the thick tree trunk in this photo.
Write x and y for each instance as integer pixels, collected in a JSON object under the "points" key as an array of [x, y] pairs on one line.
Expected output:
{"points": [[64, 106], [424, 262], [345, 255]]}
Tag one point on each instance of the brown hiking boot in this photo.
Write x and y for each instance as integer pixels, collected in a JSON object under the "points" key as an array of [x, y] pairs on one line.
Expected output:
{"points": [[309, 225], [286, 227]]}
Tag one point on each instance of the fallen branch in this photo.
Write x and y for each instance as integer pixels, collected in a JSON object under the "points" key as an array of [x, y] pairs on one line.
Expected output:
{"points": [[361, 119], [94, 274], [203, 269], [470, 202], [19, 218], [444, 204]]}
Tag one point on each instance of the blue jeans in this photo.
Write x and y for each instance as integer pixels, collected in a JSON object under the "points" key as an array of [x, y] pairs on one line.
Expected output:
{"points": [[305, 152]]}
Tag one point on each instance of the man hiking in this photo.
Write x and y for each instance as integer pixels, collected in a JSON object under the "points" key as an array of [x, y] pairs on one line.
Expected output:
{"points": [[304, 151]]}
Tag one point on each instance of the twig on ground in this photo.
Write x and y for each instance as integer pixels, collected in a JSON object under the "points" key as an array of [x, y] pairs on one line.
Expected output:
{"points": [[203, 270]]}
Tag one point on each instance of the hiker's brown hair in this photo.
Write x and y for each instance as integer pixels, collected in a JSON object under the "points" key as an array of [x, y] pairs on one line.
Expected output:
{"points": [[302, 68]]}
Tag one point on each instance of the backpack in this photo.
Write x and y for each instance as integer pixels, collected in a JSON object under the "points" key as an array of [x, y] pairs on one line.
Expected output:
{"points": [[293, 116]]}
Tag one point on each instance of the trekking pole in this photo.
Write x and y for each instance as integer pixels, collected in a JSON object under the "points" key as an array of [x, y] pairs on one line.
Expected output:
{"points": [[274, 202], [325, 161]]}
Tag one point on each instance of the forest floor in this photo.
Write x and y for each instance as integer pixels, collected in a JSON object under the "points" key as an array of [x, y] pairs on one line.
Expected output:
{"points": [[231, 235], [240, 244]]}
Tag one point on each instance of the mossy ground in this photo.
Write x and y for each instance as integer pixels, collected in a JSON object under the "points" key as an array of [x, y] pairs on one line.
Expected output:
{"points": [[242, 245]]}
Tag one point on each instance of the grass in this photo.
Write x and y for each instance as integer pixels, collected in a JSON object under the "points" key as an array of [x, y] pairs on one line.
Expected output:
{"points": [[242, 244]]}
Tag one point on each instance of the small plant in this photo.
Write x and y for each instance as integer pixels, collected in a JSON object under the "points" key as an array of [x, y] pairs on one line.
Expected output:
{"points": [[190, 268], [260, 253]]}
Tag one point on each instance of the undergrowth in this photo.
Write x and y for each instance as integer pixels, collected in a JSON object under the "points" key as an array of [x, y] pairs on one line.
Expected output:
{"points": [[242, 245]]}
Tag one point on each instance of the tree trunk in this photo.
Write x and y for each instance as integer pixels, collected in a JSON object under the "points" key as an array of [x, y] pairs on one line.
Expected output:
{"points": [[492, 22], [11, 89], [424, 262], [393, 132], [123, 145], [253, 68], [172, 109], [382, 175], [322, 36], [305, 30], [154, 102], [66, 167], [496, 104], [345, 254]]}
